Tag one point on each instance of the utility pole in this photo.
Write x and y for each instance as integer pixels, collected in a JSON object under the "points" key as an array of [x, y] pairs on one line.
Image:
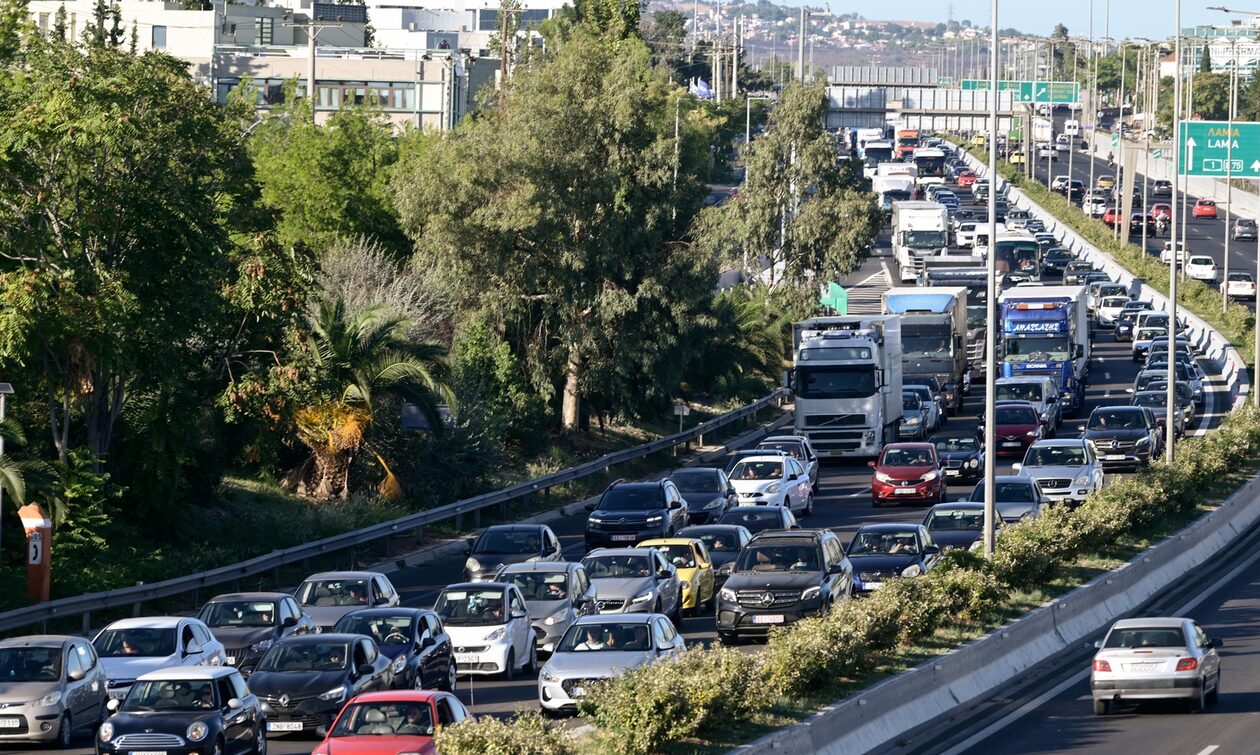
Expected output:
{"points": [[990, 303], [739, 40], [800, 49], [503, 32], [1170, 436], [313, 28]]}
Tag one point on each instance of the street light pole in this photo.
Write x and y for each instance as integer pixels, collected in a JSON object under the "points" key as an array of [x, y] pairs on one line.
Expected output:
{"points": [[1170, 438], [991, 330], [1229, 164], [6, 390], [800, 49]]}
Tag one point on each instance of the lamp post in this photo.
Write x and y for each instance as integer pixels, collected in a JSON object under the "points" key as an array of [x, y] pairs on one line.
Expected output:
{"points": [[6, 390], [800, 47], [990, 304], [1169, 436]]}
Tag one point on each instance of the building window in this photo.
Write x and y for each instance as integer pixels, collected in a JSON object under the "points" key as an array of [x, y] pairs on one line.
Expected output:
{"points": [[43, 23], [159, 38], [264, 31]]}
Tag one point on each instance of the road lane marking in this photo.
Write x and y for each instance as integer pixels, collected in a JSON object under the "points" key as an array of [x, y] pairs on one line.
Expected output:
{"points": [[1106, 375], [1209, 750]]}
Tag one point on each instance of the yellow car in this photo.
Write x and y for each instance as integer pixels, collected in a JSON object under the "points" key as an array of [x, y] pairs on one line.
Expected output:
{"points": [[1106, 182], [1016, 158], [695, 569]]}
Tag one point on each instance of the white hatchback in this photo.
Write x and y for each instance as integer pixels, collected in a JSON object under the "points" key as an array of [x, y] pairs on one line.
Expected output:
{"points": [[1201, 268], [1241, 286], [773, 481], [489, 627], [1109, 309]]}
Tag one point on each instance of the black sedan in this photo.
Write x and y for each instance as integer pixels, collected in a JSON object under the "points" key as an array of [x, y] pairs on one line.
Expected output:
{"points": [[1056, 259], [880, 552], [419, 649], [961, 455], [303, 681], [724, 542], [194, 709], [1074, 272], [955, 525], [505, 544], [707, 491], [249, 623], [1125, 436], [758, 518]]}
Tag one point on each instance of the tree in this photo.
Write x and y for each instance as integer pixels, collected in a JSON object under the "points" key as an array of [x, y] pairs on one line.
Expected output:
{"points": [[1211, 96], [666, 35], [1249, 99], [1205, 60], [561, 211], [1060, 33], [14, 23], [59, 23]]}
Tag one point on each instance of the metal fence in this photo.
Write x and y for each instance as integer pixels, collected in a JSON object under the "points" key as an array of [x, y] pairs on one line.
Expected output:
{"points": [[84, 605]]}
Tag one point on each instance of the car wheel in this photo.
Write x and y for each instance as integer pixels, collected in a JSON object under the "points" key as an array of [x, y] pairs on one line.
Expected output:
{"points": [[509, 671], [1215, 694], [65, 735], [531, 667], [452, 676], [260, 740], [1199, 702], [218, 747], [728, 639], [787, 503], [1102, 707], [809, 506], [676, 616], [876, 502]]}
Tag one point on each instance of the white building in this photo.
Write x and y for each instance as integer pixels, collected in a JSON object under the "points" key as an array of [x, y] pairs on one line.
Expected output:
{"points": [[1231, 46]]}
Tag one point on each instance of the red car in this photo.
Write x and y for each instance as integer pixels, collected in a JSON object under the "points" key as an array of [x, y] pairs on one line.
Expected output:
{"points": [[907, 472], [1161, 210], [1204, 208], [966, 178], [391, 722], [1018, 426], [1111, 216]]}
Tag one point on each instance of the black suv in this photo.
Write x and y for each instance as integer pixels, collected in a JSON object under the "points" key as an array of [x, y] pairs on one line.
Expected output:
{"points": [[782, 576], [1125, 436], [1056, 259], [630, 512]]}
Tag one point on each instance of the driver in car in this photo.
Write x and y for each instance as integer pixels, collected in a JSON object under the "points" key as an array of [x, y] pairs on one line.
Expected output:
{"points": [[554, 592]]}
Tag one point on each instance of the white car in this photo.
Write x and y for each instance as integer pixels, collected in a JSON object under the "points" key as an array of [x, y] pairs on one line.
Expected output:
{"points": [[931, 406], [773, 481], [799, 448], [1095, 207], [1046, 151], [1068, 470], [131, 647], [1241, 286], [1152, 659], [1201, 268], [489, 627], [602, 647], [1109, 308], [1166, 253], [965, 236]]}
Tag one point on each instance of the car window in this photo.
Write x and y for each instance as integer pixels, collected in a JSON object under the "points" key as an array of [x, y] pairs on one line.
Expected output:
{"points": [[186, 637], [239, 690], [202, 634], [434, 623], [288, 609], [658, 633], [225, 691], [518, 604], [1146, 637], [445, 717], [87, 655], [73, 662]]}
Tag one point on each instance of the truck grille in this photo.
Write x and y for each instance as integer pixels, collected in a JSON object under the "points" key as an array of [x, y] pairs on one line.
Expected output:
{"points": [[824, 421]]}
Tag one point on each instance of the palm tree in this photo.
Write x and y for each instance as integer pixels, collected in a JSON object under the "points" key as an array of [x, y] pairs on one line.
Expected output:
{"points": [[13, 471], [359, 359]]}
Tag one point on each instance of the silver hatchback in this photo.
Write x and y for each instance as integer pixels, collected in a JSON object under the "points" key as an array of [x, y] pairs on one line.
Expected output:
{"points": [[1154, 659], [51, 686]]}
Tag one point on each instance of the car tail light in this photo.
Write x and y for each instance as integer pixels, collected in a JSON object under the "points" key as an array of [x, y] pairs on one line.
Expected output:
{"points": [[1100, 665], [1187, 664]]}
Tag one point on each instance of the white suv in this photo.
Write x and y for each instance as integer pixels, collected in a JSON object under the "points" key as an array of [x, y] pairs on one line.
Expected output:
{"points": [[1067, 470]]}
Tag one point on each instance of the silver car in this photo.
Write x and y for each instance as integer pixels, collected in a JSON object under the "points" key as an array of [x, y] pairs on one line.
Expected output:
{"points": [[1154, 659], [601, 647], [556, 594], [634, 580], [1067, 470], [328, 596], [931, 408], [51, 686]]}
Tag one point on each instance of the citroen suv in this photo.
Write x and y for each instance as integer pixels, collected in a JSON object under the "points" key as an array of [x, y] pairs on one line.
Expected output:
{"points": [[631, 512]]}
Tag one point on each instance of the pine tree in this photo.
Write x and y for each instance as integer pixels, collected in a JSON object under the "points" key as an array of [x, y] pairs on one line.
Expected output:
{"points": [[59, 23], [1205, 60], [95, 34], [135, 37], [115, 26]]}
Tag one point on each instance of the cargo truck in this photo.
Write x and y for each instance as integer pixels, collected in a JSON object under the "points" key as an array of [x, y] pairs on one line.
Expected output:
{"points": [[907, 142], [1045, 331], [846, 376], [920, 230], [892, 188], [933, 338], [971, 273]]}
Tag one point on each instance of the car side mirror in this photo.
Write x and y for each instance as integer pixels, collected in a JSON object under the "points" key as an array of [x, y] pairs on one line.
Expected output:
{"points": [[363, 669], [468, 550], [836, 569], [932, 549], [289, 621], [1080, 428], [731, 490], [870, 464], [589, 595], [381, 600], [1128, 390], [1216, 642], [675, 504], [427, 642], [76, 674], [191, 648], [235, 704], [793, 476], [1016, 467], [113, 705], [519, 614], [663, 574], [589, 506]]}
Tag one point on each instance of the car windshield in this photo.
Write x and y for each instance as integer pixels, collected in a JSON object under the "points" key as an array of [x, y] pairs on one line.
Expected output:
{"points": [[239, 613], [757, 470], [305, 657], [1153, 397], [716, 542], [955, 444], [1201, 261], [1146, 637], [386, 630], [791, 447], [1015, 415], [1055, 348], [772, 557], [30, 664], [1111, 302], [679, 555], [884, 543], [697, 481], [333, 592], [138, 641], [171, 695], [1055, 456], [471, 607], [910, 402], [1116, 420], [1019, 392], [618, 566], [1244, 277], [385, 719], [906, 457], [755, 519], [1146, 334], [1007, 492], [956, 520], [540, 586], [638, 498], [508, 542], [922, 391], [593, 638]]}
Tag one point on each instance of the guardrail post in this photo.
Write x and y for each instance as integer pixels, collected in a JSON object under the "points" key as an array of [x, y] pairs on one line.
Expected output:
{"points": [[87, 621], [476, 519], [135, 607], [459, 522], [503, 508]]}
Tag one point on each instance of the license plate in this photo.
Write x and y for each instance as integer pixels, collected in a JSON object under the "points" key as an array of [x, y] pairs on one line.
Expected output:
{"points": [[148, 752], [10, 723], [872, 585], [1011, 444], [905, 491], [769, 618], [118, 694], [578, 692], [467, 658], [231, 660], [952, 472], [284, 726], [624, 538], [1114, 457], [1142, 666]]}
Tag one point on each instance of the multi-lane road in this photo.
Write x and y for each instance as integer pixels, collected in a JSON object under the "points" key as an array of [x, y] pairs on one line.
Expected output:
{"points": [[842, 503]]}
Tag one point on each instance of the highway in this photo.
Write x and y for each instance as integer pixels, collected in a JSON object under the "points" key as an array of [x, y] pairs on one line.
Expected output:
{"points": [[842, 503]]}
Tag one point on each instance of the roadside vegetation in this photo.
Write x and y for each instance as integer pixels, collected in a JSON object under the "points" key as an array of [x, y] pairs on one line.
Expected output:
{"points": [[215, 320]]}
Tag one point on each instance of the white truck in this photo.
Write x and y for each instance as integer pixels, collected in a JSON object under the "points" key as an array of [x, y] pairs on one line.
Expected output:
{"points": [[847, 381], [920, 230], [892, 188]]}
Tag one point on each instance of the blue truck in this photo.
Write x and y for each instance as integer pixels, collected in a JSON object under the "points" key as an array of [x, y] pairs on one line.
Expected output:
{"points": [[1045, 331]]}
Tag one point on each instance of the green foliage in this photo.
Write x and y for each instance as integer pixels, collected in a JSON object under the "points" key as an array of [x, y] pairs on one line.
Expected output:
{"points": [[14, 24], [489, 382], [741, 349], [524, 734], [1205, 60]]}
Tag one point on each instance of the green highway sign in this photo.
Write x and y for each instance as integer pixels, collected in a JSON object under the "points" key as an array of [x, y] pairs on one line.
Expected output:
{"points": [[1039, 92], [945, 81], [836, 298], [1207, 148]]}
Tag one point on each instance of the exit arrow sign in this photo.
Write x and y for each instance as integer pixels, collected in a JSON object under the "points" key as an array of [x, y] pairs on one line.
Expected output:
{"points": [[1215, 148], [836, 298]]}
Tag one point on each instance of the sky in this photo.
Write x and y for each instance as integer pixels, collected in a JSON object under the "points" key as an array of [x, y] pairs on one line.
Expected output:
{"points": [[1129, 18]]}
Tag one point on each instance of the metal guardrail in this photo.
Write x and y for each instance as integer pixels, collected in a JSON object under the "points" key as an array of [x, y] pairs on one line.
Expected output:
{"points": [[84, 605]]}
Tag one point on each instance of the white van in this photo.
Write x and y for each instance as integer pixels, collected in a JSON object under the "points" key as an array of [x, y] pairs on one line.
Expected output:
{"points": [[1072, 127]]}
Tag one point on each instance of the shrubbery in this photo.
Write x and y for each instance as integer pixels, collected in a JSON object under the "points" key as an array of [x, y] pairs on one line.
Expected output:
{"points": [[705, 691]]}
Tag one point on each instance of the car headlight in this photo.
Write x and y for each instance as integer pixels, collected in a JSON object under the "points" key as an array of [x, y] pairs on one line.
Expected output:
{"points": [[655, 519], [105, 732], [1031, 433], [261, 647], [496, 634], [556, 617], [197, 731], [335, 695], [914, 420], [973, 463], [1081, 479], [930, 476], [399, 664], [883, 477], [727, 594], [715, 503], [775, 488], [643, 597], [215, 660], [913, 570], [472, 564], [49, 700], [1143, 441], [594, 520], [811, 592], [547, 676], [726, 568]]}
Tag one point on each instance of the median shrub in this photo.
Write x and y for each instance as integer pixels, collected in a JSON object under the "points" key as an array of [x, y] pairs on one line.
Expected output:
{"points": [[524, 734]]}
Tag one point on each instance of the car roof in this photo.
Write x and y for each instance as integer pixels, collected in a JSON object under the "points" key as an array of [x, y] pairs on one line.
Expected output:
{"points": [[400, 695], [246, 596], [37, 641], [539, 566], [1008, 478], [695, 470], [615, 618], [890, 527], [1115, 407], [804, 534], [646, 485], [617, 552], [655, 541], [1150, 622], [191, 673], [477, 586], [785, 438], [384, 611], [702, 528], [764, 457], [909, 446], [148, 622], [959, 505], [1059, 443], [344, 575], [312, 639]]}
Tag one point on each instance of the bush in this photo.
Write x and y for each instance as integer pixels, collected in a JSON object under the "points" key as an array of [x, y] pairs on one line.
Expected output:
{"points": [[526, 734]]}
